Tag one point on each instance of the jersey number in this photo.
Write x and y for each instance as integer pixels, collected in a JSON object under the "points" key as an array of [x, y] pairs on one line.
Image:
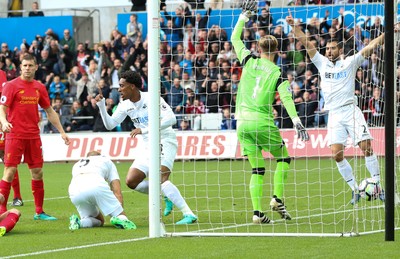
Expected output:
{"points": [[84, 162], [258, 79]]}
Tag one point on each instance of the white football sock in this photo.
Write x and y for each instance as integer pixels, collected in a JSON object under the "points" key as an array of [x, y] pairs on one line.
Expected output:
{"points": [[143, 187], [172, 193], [347, 173], [372, 164], [90, 222], [121, 216]]}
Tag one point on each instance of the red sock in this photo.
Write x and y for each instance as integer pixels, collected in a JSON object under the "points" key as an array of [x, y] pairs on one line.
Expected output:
{"points": [[10, 221], [15, 186], [38, 194], [5, 191]]}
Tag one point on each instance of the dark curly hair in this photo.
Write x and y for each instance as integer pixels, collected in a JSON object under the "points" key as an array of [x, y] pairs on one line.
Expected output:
{"points": [[132, 78]]}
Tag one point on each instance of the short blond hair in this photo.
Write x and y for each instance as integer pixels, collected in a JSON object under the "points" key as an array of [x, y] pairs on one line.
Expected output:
{"points": [[268, 44]]}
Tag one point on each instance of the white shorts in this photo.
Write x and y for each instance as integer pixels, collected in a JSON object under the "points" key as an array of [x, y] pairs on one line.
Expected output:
{"points": [[90, 193], [169, 148], [347, 121]]}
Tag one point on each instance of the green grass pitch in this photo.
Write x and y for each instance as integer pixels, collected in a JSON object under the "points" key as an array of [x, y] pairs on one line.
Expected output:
{"points": [[217, 191]]}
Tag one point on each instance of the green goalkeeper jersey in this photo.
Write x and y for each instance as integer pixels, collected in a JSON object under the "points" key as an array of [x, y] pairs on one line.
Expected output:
{"points": [[259, 82]]}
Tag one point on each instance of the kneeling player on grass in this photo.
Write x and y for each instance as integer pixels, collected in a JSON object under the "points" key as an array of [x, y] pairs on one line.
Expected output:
{"points": [[256, 129], [8, 219], [90, 192]]}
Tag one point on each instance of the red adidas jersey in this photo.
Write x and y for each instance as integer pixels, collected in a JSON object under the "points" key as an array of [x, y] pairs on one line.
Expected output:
{"points": [[22, 99]]}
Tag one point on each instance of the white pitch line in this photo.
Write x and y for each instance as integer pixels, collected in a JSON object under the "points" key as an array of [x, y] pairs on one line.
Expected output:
{"points": [[76, 247]]}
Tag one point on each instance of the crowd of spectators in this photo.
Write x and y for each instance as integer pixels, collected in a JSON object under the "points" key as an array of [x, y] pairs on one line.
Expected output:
{"points": [[199, 70]]}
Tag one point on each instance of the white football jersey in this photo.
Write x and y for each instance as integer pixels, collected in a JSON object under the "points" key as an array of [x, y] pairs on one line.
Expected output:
{"points": [[139, 114], [98, 166], [337, 80]]}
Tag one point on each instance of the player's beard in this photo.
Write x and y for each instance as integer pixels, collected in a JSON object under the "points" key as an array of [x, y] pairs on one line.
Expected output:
{"points": [[28, 75]]}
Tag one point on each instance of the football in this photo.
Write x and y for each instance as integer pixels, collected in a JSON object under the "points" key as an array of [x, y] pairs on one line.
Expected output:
{"points": [[369, 189]]}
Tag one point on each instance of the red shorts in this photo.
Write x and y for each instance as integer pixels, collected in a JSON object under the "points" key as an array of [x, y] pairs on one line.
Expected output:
{"points": [[31, 149], [2, 140]]}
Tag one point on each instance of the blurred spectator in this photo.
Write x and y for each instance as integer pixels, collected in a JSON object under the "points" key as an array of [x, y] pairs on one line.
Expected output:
{"points": [[264, 20], [35, 50], [138, 5], [57, 89], [196, 4], [187, 82], [133, 28], [115, 73], [5, 51], [374, 30], [228, 120], [73, 77], [217, 4], [10, 69], [306, 110], [198, 21], [68, 42], [187, 64], [376, 106], [15, 5], [185, 124], [213, 98], [35, 10], [175, 97]]}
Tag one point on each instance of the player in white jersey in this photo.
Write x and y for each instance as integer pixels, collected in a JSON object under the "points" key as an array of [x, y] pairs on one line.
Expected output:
{"points": [[135, 105], [345, 118], [92, 196]]}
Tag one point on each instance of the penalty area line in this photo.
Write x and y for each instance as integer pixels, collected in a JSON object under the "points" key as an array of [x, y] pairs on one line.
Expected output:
{"points": [[77, 247]]}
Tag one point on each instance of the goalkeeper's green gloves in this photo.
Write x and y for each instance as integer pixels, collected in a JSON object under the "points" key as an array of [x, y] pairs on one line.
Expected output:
{"points": [[300, 130], [249, 8]]}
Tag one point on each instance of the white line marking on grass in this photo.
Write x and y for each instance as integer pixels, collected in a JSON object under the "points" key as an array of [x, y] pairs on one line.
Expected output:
{"points": [[77, 247]]}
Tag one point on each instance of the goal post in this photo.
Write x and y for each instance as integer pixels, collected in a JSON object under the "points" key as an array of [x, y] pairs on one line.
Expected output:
{"points": [[155, 226], [210, 171]]}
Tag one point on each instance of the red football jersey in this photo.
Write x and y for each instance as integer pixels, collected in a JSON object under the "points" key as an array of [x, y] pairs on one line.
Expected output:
{"points": [[22, 99], [3, 80]]}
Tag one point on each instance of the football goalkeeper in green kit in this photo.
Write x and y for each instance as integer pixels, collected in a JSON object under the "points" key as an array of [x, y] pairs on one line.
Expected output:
{"points": [[256, 130]]}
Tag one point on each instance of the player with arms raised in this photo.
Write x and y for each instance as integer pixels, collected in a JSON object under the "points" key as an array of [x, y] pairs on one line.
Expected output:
{"points": [[135, 105], [345, 118], [21, 97], [17, 201], [256, 130]]}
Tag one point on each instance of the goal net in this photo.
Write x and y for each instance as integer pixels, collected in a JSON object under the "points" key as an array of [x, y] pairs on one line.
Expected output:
{"points": [[210, 171]]}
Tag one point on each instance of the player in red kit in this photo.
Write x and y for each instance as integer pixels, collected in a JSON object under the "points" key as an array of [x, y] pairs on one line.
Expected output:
{"points": [[8, 219], [19, 101], [17, 201]]}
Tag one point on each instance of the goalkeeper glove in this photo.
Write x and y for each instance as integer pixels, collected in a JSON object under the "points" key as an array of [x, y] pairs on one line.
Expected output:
{"points": [[300, 130], [249, 7]]}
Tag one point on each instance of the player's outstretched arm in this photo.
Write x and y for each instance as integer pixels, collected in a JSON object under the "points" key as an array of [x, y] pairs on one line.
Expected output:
{"points": [[249, 7], [286, 98], [301, 36], [54, 118], [109, 122], [367, 50]]}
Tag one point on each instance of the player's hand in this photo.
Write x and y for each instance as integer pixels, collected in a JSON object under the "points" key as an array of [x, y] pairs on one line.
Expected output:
{"points": [[6, 127], [65, 138], [135, 132], [249, 8], [290, 19], [300, 130]]}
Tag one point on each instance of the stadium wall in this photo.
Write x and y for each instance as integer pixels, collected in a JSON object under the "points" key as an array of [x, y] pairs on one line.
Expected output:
{"points": [[193, 145]]}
